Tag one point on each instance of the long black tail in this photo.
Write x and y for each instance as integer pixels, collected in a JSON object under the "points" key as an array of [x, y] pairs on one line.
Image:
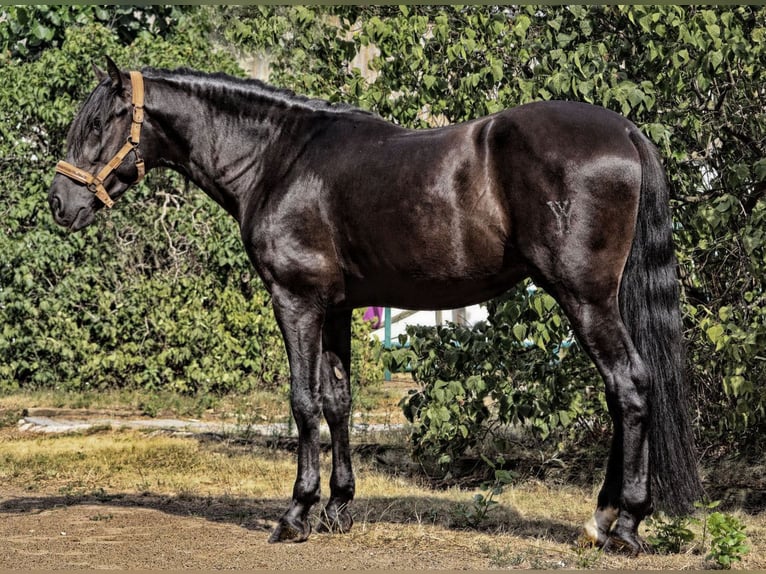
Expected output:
{"points": [[649, 304]]}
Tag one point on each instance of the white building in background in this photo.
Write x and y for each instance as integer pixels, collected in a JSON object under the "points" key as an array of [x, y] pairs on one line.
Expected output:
{"points": [[401, 319]]}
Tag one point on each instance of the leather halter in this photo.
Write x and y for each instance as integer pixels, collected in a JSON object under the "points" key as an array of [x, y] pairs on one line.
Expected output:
{"points": [[95, 183]]}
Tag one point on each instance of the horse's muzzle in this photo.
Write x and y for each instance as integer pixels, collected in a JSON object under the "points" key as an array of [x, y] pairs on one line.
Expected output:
{"points": [[70, 212]]}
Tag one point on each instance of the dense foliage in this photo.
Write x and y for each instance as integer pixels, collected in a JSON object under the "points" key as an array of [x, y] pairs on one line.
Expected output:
{"points": [[158, 293], [692, 78], [28, 30], [521, 366]]}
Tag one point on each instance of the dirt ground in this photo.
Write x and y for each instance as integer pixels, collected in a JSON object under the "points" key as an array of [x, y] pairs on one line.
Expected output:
{"points": [[45, 524], [77, 517], [50, 532]]}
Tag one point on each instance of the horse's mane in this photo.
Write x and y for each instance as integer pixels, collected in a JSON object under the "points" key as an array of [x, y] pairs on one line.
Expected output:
{"points": [[230, 91], [233, 88]]}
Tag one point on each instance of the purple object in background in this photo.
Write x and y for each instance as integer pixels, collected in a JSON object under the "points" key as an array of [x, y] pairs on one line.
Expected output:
{"points": [[374, 314]]}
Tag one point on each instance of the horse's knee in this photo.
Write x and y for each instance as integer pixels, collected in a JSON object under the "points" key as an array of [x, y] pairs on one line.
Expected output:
{"points": [[635, 409], [306, 409], [343, 486], [307, 489]]}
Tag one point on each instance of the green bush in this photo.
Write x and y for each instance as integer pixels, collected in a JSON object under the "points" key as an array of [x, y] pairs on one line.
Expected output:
{"points": [[727, 543], [727, 534], [669, 535], [521, 367]]}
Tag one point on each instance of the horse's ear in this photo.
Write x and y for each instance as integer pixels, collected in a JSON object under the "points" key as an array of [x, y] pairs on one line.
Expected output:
{"points": [[114, 74], [100, 74]]}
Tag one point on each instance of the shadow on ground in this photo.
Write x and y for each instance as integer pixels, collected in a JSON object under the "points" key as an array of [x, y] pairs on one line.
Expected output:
{"points": [[739, 483], [262, 515]]}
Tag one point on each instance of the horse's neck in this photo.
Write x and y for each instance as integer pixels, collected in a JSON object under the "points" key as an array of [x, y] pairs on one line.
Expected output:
{"points": [[224, 151]]}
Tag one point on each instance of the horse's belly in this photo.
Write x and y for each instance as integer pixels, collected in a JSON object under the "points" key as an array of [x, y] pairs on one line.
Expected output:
{"points": [[429, 263], [419, 290]]}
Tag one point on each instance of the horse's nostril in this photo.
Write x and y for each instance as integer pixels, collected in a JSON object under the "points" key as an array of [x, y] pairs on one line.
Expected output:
{"points": [[57, 207]]}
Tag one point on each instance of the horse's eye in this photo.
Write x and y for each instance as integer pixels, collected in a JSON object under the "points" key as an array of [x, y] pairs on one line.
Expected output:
{"points": [[96, 125]]}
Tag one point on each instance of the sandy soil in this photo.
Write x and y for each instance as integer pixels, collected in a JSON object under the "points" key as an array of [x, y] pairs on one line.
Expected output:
{"points": [[47, 527], [148, 532]]}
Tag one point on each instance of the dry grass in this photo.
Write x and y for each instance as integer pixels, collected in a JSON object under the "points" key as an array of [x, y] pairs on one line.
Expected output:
{"points": [[398, 520], [138, 462]]}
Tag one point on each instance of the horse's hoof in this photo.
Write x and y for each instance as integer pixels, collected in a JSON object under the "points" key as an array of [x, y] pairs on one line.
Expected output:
{"points": [[618, 539], [335, 519], [593, 534], [290, 531], [628, 542], [600, 524]]}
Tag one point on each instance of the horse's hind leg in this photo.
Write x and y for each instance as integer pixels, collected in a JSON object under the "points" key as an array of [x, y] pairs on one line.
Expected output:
{"points": [[625, 498], [336, 405]]}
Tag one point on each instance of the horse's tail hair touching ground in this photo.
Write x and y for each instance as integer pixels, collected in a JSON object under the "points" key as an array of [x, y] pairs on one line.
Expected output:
{"points": [[650, 308]]}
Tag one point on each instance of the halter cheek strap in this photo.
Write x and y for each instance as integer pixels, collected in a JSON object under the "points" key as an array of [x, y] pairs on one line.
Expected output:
{"points": [[95, 183]]}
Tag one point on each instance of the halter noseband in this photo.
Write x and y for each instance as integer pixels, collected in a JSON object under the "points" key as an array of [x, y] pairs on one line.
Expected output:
{"points": [[95, 183]]}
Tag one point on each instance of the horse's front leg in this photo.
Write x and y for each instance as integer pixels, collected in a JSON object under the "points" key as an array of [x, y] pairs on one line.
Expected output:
{"points": [[301, 323], [336, 405]]}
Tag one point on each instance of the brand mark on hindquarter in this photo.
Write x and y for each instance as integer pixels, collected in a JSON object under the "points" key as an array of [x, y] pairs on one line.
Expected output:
{"points": [[561, 209]]}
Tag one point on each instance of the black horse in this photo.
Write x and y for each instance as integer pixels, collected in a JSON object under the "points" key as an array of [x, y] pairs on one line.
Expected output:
{"points": [[340, 209]]}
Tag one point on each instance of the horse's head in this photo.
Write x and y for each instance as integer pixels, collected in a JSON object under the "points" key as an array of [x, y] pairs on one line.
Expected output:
{"points": [[103, 157]]}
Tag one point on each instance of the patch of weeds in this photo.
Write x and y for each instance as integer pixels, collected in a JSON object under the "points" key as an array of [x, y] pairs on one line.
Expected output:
{"points": [[100, 494], [72, 490], [539, 563], [80, 400], [10, 417], [144, 486], [534, 558], [505, 557], [101, 517], [727, 543], [669, 535], [727, 532], [588, 557], [200, 404], [727, 535], [483, 503], [247, 416], [150, 405]]}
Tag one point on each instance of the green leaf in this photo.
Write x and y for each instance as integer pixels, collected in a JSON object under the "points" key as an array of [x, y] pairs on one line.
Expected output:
{"points": [[715, 334], [521, 24], [42, 33], [715, 58], [497, 70]]}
